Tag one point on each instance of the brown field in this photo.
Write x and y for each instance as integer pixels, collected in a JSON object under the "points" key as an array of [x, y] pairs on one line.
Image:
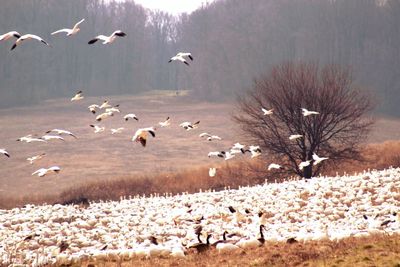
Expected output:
{"points": [[174, 161]]}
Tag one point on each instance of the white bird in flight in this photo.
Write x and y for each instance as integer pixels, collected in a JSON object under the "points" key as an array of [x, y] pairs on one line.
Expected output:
{"points": [[105, 104], [212, 172], [35, 158], [130, 116], [318, 159], [274, 166], [78, 96], [188, 125], [210, 137], [268, 111], [141, 135], [62, 132], [118, 130], [220, 154], [28, 37], [107, 39], [180, 57], [229, 155], [295, 136], [104, 115], [113, 109], [4, 152], [8, 35], [48, 137], [43, 171], [165, 123], [93, 107], [304, 164], [72, 31], [98, 129], [308, 112], [254, 150], [29, 139]]}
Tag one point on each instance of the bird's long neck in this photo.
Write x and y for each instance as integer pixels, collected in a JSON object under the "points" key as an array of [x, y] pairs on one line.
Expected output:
{"points": [[224, 236], [198, 238], [261, 232], [208, 239]]}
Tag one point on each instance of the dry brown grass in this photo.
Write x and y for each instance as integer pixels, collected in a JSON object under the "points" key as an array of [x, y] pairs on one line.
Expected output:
{"points": [[104, 166], [376, 250]]}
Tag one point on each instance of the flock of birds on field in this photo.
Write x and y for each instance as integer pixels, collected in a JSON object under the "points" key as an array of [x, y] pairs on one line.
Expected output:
{"points": [[227, 221]]}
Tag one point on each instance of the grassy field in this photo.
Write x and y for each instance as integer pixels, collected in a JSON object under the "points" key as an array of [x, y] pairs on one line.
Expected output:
{"points": [[376, 250], [104, 157]]}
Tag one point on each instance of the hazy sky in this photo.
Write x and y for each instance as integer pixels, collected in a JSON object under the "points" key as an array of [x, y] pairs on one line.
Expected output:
{"points": [[173, 6]]}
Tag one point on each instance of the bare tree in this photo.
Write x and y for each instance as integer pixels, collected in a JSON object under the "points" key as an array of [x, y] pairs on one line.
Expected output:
{"points": [[336, 132]]}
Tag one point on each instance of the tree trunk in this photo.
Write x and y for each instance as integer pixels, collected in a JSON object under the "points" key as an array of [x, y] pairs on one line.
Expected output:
{"points": [[307, 172]]}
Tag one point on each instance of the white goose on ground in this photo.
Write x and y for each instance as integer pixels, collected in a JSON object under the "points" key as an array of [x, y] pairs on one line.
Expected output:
{"points": [[98, 129], [28, 37], [308, 112], [72, 31], [78, 96], [108, 39], [4, 152], [130, 116], [141, 135], [187, 125], [295, 136], [35, 158], [267, 111], [318, 159], [43, 171], [62, 132], [9, 35], [165, 123]]}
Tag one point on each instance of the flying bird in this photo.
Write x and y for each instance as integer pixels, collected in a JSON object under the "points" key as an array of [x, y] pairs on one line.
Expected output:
{"points": [[48, 137], [141, 135], [229, 155], [308, 112], [318, 159], [107, 39], [93, 107], [113, 109], [62, 132], [105, 105], [179, 57], [43, 171], [210, 137], [220, 154], [274, 166], [188, 125], [295, 136], [212, 172], [98, 129], [35, 158], [4, 152], [72, 31], [8, 35], [165, 123], [267, 112], [104, 115], [254, 150], [29, 139], [185, 54], [118, 130], [130, 116], [304, 164], [78, 96], [28, 37]]}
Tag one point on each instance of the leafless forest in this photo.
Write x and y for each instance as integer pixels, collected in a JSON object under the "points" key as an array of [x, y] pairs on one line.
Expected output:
{"points": [[232, 41]]}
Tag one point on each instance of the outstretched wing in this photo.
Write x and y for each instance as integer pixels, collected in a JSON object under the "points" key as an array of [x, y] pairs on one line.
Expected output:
{"points": [[62, 30]]}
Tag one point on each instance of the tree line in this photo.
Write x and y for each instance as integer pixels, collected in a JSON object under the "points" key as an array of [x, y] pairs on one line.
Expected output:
{"points": [[232, 42]]}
